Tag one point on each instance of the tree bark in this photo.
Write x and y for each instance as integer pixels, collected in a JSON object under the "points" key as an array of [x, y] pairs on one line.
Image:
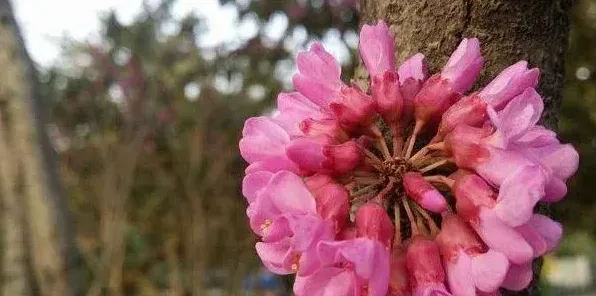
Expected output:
{"points": [[30, 176], [509, 31]]}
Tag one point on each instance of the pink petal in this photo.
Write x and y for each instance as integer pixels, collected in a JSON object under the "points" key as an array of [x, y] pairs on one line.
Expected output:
{"points": [[307, 230], [501, 164], [319, 75], [538, 136], [500, 237], [519, 116], [289, 194], [377, 48], [543, 233], [518, 277], [555, 190], [261, 139], [413, 67], [459, 277], [563, 160], [306, 153], [328, 281], [295, 108], [489, 270], [509, 83], [253, 183], [273, 165], [274, 255], [464, 65], [519, 194]]}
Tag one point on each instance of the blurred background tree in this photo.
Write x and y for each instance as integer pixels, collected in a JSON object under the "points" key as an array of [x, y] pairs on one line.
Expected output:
{"points": [[146, 121]]}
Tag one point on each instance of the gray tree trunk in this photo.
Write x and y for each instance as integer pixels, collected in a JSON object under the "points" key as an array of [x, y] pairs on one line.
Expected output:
{"points": [[30, 185], [509, 30]]}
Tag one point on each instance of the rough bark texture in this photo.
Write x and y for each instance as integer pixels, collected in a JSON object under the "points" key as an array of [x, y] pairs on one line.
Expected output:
{"points": [[509, 30], [29, 174]]}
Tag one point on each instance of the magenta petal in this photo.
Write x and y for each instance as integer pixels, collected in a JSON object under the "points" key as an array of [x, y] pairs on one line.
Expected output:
{"points": [[262, 138], [500, 237], [464, 65], [543, 233], [328, 281], [519, 116], [273, 165], [563, 160], [274, 255], [555, 190], [509, 83], [519, 194], [459, 277], [518, 277], [306, 153], [253, 183], [489, 270], [319, 75], [377, 48], [413, 67], [290, 195]]}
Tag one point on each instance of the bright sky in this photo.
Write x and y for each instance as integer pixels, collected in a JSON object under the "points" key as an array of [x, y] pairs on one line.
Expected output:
{"points": [[45, 22]]}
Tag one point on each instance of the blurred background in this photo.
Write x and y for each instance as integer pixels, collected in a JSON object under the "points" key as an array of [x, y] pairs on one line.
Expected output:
{"points": [[146, 100]]}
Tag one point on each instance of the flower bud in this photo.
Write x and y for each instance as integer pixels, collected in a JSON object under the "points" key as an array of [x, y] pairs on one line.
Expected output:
{"points": [[426, 274], [471, 192], [373, 222], [465, 144], [317, 181], [433, 100], [333, 204], [425, 194], [353, 108], [376, 48], [386, 93], [328, 127], [469, 111], [342, 158], [463, 66]]}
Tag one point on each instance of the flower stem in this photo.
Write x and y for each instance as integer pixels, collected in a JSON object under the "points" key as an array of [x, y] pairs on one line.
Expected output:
{"points": [[397, 217], [440, 179], [412, 139], [423, 151], [413, 226], [372, 156], [364, 190], [379, 198], [434, 229], [398, 140], [434, 165]]}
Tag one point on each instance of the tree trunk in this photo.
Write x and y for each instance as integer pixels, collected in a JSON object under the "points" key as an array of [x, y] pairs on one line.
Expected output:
{"points": [[509, 30], [29, 179]]}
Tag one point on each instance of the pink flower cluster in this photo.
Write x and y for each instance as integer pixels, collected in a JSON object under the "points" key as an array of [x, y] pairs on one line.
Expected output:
{"points": [[414, 187]]}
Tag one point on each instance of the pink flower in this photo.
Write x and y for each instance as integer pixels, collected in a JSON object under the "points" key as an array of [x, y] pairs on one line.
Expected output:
{"points": [[470, 267], [421, 191], [464, 65], [427, 277], [353, 108], [470, 111], [285, 216], [318, 76], [340, 178], [351, 267], [263, 145], [294, 108], [377, 49], [476, 202], [373, 223], [509, 83]]}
